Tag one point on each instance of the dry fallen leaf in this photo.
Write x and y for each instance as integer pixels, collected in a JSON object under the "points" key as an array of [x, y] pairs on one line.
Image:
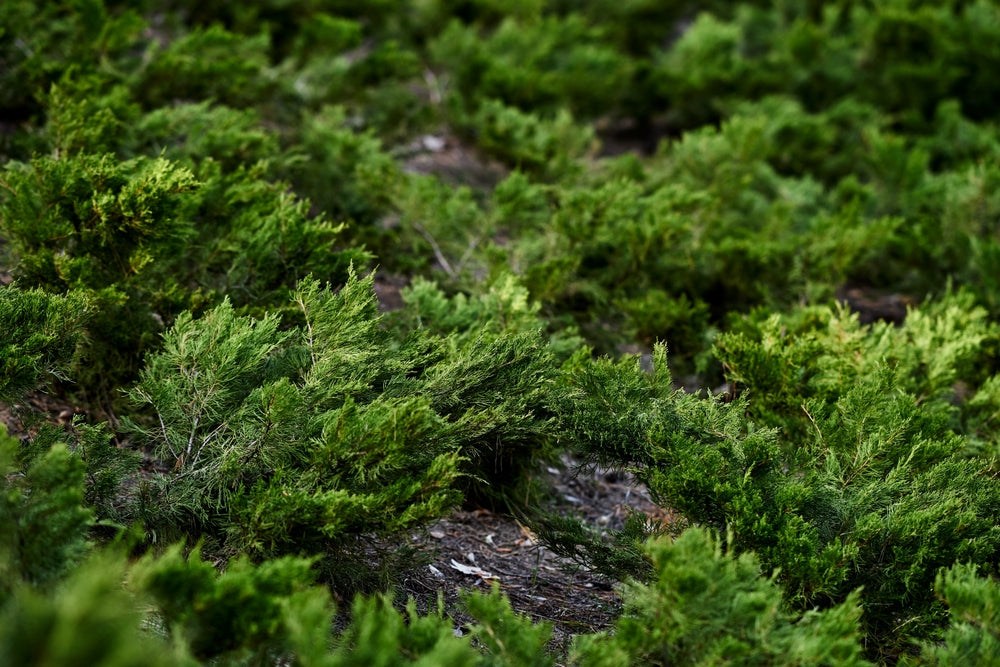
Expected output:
{"points": [[471, 569], [528, 538]]}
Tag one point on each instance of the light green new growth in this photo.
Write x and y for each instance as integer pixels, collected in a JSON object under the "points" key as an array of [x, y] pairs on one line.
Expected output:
{"points": [[709, 608]]}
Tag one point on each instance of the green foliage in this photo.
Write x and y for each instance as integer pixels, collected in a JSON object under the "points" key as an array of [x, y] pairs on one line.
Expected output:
{"points": [[301, 441], [270, 611], [43, 521], [706, 607], [265, 240], [981, 411], [534, 65], [39, 339], [100, 226], [91, 221], [242, 610], [107, 466], [116, 229], [346, 174], [506, 638], [819, 354], [973, 604], [40, 42], [549, 147], [182, 611], [190, 133], [876, 494], [89, 620], [505, 306], [435, 219], [380, 635], [664, 252], [188, 165], [207, 63], [87, 113], [903, 58]]}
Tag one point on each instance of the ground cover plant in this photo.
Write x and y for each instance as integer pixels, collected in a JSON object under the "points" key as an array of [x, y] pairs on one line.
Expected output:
{"points": [[283, 285]]}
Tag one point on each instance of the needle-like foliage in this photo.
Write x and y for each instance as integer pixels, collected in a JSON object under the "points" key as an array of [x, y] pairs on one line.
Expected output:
{"points": [[303, 440]]}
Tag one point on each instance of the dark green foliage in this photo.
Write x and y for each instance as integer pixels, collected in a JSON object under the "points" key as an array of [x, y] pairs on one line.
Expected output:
{"points": [[40, 41], [973, 603], [440, 223], [595, 400], [207, 63], [89, 620], [43, 521], [877, 495], [505, 637], [346, 174], [241, 610], [39, 339], [189, 165], [191, 133], [902, 57], [496, 365], [708, 608], [534, 65]]}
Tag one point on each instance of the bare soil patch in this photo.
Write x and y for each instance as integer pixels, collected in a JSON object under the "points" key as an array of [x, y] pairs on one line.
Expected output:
{"points": [[473, 549]]}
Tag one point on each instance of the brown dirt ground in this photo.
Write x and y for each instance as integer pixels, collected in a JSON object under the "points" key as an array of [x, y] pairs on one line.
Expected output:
{"points": [[472, 549]]}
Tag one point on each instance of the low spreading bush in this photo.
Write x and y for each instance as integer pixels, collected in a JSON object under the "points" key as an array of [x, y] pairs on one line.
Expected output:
{"points": [[871, 490], [39, 338], [181, 185], [706, 607], [305, 440]]}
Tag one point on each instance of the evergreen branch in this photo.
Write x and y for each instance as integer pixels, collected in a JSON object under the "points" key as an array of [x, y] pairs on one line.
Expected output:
{"points": [[143, 394], [166, 438], [194, 430], [815, 425], [310, 337], [436, 248], [208, 438]]}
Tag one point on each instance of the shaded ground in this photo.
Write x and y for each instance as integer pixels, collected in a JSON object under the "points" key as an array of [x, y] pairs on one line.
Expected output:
{"points": [[472, 549], [453, 161]]}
